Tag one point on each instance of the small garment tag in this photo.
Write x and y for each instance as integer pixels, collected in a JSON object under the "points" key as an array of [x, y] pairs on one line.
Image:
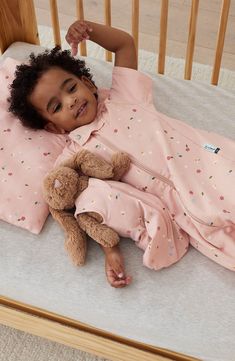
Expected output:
{"points": [[211, 148]]}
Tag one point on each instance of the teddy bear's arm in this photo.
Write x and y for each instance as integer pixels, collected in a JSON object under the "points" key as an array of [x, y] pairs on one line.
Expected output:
{"points": [[121, 164], [90, 164], [75, 242], [101, 233]]}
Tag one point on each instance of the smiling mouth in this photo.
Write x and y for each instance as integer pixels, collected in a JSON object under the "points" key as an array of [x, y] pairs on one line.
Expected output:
{"points": [[81, 110]]}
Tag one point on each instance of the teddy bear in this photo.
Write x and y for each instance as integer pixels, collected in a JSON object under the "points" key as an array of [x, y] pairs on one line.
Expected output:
{"points": [[65, 183]]}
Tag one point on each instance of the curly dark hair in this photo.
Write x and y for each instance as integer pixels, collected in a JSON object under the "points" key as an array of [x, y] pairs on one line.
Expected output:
{"points": [[28, 75]]}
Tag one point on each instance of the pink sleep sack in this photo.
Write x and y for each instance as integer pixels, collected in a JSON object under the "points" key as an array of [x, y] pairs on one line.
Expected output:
{"points": [[138, 215], [192, 171]]}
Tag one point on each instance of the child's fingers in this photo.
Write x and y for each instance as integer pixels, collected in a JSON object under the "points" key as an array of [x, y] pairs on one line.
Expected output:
{"points": [[115, 270], [75, 35], [114, 281], [71, 40], [118, 283], [83, 26], [128, 280], [77, 32], [74, 48], [76, 38], [81, 35], [118, 277], [118, 270], [82, 29]]}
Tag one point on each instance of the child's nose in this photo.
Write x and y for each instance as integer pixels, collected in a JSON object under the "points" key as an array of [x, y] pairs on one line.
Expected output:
{"points": [[71, 101]]}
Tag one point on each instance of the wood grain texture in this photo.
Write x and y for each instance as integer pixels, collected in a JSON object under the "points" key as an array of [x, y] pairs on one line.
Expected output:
{"points": [[55, 22], [81, 16], [163, 36], [149, 25], [220, 41], [108, 21], [17, 23], [191, 40], [23, 317]]}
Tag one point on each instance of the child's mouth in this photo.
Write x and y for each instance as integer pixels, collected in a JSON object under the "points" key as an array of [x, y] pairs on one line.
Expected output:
{"points": [[81, 110]]}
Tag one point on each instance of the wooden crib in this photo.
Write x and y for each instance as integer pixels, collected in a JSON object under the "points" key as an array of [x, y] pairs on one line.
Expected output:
{"points": [[18, 23]]}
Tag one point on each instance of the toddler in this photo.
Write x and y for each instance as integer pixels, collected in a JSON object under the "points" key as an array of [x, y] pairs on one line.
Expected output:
{"points": [[190, 171]]}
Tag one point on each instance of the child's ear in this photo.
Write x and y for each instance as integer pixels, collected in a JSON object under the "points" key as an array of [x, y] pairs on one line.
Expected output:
{"points": [[88, 83], [53, 128]]}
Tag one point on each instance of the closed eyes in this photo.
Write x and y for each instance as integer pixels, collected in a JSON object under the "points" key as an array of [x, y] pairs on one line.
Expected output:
{"points": [[57, 108], [71, 89]]}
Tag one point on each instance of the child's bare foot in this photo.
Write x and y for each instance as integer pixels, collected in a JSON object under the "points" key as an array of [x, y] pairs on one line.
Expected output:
{"points": [[114, 268]]}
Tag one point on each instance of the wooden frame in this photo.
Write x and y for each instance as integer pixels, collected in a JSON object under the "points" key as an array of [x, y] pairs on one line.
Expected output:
{"points": [[18, 23], [79, 335]]}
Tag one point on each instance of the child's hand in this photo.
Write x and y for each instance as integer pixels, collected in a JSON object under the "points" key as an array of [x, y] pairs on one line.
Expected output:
{"points": [[76, 33], [114, 268]]}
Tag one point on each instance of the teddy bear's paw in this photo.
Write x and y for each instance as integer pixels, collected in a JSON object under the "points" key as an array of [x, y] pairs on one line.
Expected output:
{"points": [[94, 166], [121, 164]]}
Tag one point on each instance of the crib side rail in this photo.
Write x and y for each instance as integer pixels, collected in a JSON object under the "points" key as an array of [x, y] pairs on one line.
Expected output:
{"points": [[18, 22]]}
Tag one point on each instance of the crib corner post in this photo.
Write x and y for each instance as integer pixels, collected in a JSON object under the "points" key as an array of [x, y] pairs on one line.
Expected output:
{"points": [[17, 23]]}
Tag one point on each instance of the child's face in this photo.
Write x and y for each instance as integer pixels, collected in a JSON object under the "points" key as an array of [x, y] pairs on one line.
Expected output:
{"points": [[66, 101]]}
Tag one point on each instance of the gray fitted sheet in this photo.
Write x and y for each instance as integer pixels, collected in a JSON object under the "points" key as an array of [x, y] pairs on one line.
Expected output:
{"points": [[189, 308]]}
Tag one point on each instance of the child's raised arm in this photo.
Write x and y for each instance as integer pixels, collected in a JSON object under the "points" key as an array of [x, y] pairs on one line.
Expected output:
{"points": [[115, 40]]}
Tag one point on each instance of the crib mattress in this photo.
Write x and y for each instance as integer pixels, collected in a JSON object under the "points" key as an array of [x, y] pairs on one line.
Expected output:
{"points": [[188, 308]]}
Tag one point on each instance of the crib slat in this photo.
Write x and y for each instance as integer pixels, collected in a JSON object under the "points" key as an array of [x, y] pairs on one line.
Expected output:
{"points": [[107, 16], [163, 36], [55, 22], [220, 41], [80, 16], [135, 23], [191, 40]]}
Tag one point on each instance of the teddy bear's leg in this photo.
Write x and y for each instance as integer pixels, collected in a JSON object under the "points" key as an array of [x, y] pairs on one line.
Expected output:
{"points": [[121, 163], [101, 233], [75, 242], [96, 215]]}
